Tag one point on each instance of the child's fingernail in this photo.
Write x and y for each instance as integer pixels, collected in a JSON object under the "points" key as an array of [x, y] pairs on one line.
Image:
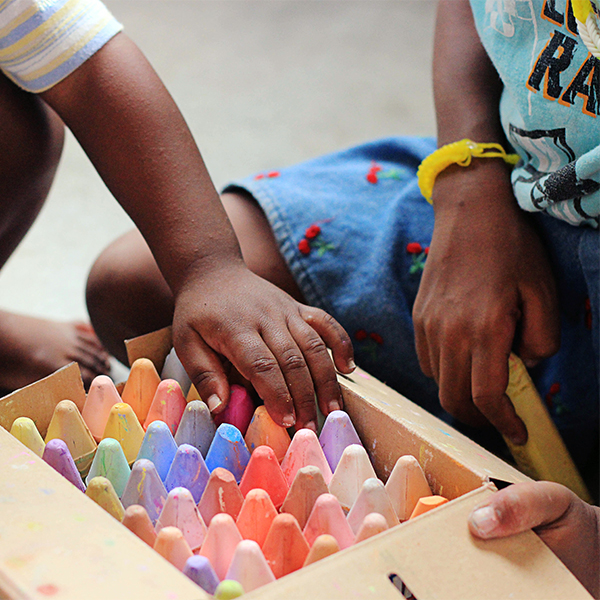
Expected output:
{"points": [[311, 425], [288, 420], [351, 364], [334, 405], [485, 520], [213, 402]]}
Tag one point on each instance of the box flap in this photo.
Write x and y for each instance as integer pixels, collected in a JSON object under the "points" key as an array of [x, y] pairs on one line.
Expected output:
{"points": [[57, 542], [38, 400]]}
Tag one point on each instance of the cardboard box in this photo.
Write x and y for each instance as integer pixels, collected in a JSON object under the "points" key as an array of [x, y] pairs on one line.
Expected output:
{"points": [[56, 543]]}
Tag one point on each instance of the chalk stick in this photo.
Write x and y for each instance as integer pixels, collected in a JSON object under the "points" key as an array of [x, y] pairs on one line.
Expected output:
{"points": [[249, 566], [136, 519], [405, 485], [201, 572], [327, 516], [110, 462], [222, 538], [353, 469], [173, 369], [123, 426], [336, 435], [189, 471], [102, 396], [57, 455], [372, 498], [229, 451], [140, 387], [325, 545], [222, 494], [171, 544], [228, 590], [263, 431], [285, 548], [256, 516], [167, 405], [372, 524], [158, 445], [426, 504], [197, 427], [307, 486], [102, 492], [263, 471], [305, 450], [239, 409], [180, 511], [145, 488], [24, 429]]}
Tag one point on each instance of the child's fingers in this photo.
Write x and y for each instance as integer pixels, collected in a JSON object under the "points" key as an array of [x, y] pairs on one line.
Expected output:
{"points": [[255, 361], [293, 353], [205, 369], [334, 336], [318, 360], [422, 346], [520, 507], [489, 380]]}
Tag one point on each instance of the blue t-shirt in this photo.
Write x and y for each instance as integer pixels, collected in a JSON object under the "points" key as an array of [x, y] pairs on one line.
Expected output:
{"points": [[550, 105]]}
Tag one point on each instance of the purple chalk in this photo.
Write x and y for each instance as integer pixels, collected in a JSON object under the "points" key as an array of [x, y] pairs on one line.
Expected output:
{"points": [[336, 435], [201, 572], [188, 470], [57, 455], [144, 487]]}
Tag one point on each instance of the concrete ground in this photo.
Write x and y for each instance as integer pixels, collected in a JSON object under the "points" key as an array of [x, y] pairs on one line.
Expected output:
{"points": [[262, 84]]}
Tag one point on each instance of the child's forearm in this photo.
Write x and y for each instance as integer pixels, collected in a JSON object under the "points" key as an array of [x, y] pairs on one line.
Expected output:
{"points": [[466, 85], [132, 131]]}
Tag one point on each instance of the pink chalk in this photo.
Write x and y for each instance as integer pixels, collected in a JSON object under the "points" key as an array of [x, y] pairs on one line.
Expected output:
{"points": [[303, 451], [239, 410], [220, 543], [167, 405], [101, 398], [249, 566], [327, 516]]}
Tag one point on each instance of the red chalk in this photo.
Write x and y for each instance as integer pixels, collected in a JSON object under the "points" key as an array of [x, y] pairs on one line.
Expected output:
{"points": [[263, 471], [221, 495]]}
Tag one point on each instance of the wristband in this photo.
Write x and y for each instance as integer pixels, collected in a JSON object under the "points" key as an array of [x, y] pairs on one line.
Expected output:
{"points": [[460, 153], [587, 26]]}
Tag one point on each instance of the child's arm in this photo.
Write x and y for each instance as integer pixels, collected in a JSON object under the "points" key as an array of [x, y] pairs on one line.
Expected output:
{"points": [[569, 526], [487, 283], [138, 141]]}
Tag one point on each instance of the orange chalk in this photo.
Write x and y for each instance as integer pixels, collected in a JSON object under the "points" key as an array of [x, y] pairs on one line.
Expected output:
{"points": [[372, 524], [192, 394], [103, 395], [327, 516], [136, 519], [426, 504], [220, 543], [167, 405], [372, 498], [285, 548], [171, 544], [263, 471], [405, 485], [303, 451], [325, 545], [256, 516], [123, 426], [221, 495], [307, 486], [68, 425], [140, 387], [263, 431]]}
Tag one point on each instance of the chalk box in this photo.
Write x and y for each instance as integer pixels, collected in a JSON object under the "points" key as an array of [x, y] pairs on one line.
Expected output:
{"points": [[57, 543]]}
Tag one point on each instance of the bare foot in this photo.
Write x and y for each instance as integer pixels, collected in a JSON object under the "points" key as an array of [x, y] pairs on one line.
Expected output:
{"points": [[32, 348]]}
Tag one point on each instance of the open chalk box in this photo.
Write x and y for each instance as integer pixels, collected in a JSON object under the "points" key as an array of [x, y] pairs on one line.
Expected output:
{"points": [[56, 543]]}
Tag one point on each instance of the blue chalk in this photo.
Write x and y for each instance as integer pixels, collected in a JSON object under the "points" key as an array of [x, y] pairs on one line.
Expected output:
{"points": [[158, 446], [228, 450]]}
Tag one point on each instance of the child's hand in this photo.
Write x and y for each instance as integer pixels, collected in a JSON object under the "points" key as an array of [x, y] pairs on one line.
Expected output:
{"points": [[568, 526], [487, 285], [279, 345]]}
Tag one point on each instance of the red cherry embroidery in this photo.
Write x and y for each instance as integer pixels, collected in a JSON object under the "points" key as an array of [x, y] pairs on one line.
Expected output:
{"points": [[304, 246], [312, 232]]}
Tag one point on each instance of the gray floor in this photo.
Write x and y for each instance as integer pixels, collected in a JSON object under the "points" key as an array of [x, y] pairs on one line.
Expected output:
{"points": [[262, 84]]}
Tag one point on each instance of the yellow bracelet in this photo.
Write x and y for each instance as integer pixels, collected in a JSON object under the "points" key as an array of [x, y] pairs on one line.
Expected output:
{"points": [[587, 25], [460, 153]]}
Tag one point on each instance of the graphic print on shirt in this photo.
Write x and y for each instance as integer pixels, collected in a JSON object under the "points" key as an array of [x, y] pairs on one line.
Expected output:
{"points": [[545, 176]]}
